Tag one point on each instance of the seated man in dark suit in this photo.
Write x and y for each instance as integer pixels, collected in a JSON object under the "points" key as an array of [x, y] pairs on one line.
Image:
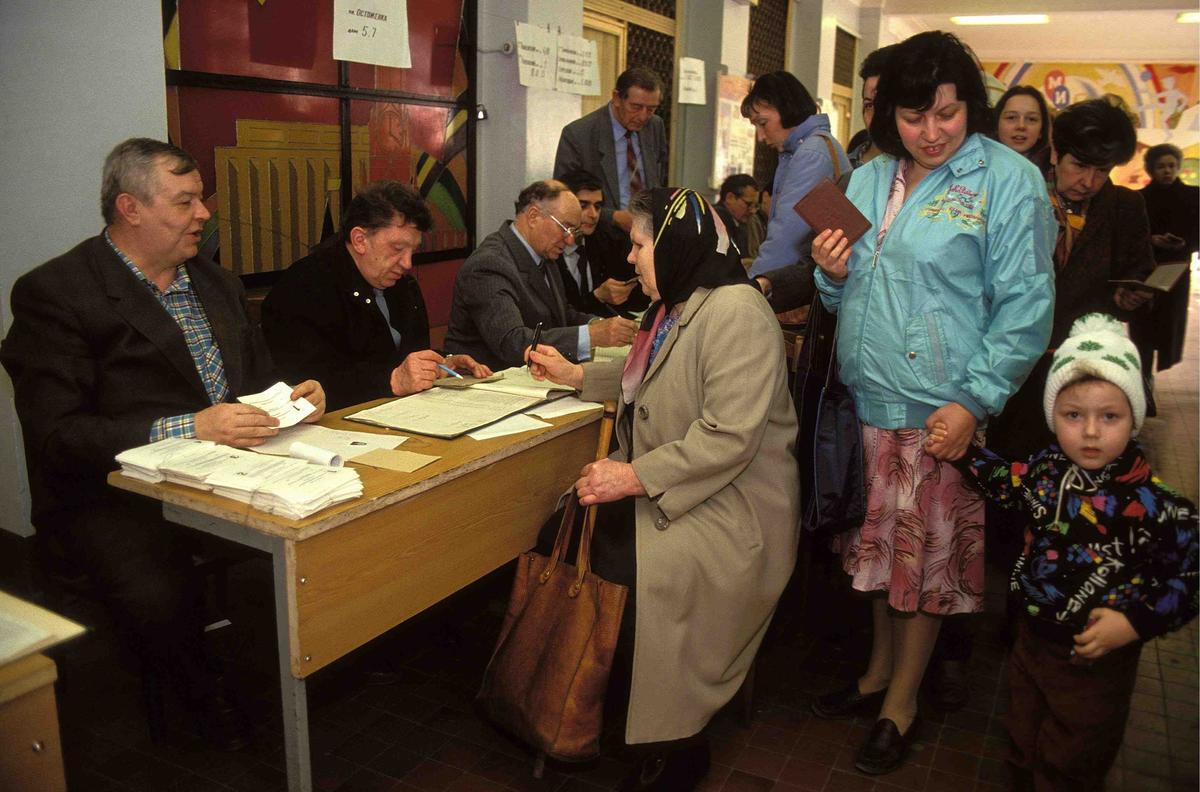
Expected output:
{"points": [[128, 338], [736, 201], [596, 273], [351, 314], [510, 284]]}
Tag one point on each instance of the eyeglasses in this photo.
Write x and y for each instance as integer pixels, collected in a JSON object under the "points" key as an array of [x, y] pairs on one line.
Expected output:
{"points": [[571, 232], [751, 205]]}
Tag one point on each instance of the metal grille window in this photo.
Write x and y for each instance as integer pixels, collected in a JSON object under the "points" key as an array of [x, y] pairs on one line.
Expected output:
{"points": [[768, 45], [654, 51]]}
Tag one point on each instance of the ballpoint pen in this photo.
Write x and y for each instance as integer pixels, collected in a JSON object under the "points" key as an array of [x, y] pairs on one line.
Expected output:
{"points": [[537, 336], [449, 370]]}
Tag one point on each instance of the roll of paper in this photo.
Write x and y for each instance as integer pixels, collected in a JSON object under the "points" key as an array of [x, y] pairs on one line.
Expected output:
{"points": [[313, 454]]}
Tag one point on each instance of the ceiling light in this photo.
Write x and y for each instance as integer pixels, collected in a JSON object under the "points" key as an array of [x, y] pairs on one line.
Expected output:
{"points": [[1188, 17], [1002, 19]]}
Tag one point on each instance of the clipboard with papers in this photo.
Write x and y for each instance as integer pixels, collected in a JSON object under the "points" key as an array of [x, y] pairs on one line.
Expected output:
{"points": [[450, 412]]}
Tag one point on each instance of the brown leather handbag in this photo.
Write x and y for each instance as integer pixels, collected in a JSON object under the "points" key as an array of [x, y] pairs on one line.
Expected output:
{"points": [[547, 677]]}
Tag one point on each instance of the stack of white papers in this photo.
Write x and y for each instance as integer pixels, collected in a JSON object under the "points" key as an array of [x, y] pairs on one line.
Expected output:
{"points": [[288, 487]]}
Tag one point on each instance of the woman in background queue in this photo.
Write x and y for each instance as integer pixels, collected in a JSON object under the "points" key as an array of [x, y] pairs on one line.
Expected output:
{"points": [[1023, 124]]}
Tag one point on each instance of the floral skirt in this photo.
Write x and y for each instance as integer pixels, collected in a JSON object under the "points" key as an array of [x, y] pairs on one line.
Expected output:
{"points": [[922, 541]]}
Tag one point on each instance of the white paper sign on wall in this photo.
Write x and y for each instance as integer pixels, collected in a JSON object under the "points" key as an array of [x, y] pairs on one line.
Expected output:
{"points": [[372, 31], [578, 71], [691, 81], [536, 56]]}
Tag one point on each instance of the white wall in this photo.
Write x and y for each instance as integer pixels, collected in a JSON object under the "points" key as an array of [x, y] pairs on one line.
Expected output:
{"points": [[516, 144], [735, 37], [76, 82]]}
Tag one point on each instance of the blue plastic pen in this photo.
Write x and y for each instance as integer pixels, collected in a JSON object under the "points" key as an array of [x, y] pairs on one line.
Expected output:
{"points": [[449, 371]]}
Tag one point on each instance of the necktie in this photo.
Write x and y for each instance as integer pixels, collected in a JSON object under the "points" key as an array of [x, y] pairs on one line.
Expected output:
{"points": [[631, 164], [582, 264]]}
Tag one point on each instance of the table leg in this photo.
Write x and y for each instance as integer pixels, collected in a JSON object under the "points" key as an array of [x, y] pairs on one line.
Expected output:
{"points": [[293, 691]]}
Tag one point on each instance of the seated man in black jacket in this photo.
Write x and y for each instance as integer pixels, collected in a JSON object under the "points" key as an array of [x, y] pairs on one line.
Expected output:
{"points": [[597, 278], [352, 311]]}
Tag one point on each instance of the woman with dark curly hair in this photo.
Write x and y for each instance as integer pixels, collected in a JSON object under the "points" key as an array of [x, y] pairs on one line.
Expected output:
{"points": [[943, 306]]}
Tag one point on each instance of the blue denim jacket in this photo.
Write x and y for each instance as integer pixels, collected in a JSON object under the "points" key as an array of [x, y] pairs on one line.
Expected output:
{"points": [[956, 304]]}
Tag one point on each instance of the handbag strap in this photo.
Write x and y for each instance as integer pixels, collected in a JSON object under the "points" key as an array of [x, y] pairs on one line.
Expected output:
{"points": [[567, 526], [837, 164]]}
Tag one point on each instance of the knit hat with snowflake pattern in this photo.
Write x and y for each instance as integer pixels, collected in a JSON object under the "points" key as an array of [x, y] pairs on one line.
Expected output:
{"points": [[1097, 346]]}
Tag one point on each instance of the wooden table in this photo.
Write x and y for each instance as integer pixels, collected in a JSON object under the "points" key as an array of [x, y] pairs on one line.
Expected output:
{"points": [[353, 571], [30, 746]]}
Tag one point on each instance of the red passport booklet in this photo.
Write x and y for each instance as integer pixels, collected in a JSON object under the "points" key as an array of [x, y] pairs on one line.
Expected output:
{"points": [[826, 206]]}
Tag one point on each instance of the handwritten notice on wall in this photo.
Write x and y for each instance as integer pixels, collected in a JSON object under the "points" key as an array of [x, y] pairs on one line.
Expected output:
{"points": [[691, 81], [578, 71], [536, 59], [372, 31]]}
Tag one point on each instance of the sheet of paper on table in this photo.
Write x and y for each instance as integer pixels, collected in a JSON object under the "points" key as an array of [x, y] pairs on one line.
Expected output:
{"points": [[402, 461], [277, 402], [441, 412], [340, 442], [564, 406], [519, 382], [26, 628], [610, 353], [514, 424]]}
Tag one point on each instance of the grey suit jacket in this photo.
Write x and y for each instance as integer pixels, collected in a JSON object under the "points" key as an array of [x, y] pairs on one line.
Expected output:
{"points": [[500, 295], [587, 144]]}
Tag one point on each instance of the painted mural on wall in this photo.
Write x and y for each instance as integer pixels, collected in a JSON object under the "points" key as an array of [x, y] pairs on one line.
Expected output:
{"points": [[1165, 97], [272, 160]]}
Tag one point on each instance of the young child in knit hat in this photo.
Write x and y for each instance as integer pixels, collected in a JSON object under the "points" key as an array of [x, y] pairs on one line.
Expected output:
{"points": [[1110, 561]]}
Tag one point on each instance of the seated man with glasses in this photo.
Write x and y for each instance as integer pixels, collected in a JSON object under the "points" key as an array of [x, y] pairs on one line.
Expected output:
{"points": [[510, 284], [736, 201]]}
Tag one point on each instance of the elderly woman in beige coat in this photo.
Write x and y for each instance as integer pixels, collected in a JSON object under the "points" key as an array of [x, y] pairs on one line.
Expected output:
{"points": [[699, 507]]}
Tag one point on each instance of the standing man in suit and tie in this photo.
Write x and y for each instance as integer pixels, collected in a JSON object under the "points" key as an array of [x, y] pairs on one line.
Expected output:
{"points": [[596, 275], [510, 284], [624, 143], [351, 314], [132, 337]]}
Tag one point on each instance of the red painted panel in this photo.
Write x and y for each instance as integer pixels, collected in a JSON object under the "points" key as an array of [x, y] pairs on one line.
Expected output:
{"points": [[293, 40], [207, 116], [437, 286]]}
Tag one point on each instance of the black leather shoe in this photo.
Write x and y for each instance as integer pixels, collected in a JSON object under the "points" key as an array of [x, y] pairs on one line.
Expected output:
{"points": [[948, 688], [677, 770], [885, 747], [846, 702]]}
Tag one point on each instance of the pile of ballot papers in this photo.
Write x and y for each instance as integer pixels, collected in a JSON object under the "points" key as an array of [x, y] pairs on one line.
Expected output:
{"points": [[285, 486]]}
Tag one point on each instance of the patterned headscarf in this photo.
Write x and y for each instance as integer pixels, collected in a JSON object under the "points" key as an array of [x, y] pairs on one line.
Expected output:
{"points": [[691, 246], [691, 251]]}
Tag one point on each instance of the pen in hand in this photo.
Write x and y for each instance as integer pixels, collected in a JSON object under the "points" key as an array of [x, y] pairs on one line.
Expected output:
{"points": [[537, 337], [449, 370]]}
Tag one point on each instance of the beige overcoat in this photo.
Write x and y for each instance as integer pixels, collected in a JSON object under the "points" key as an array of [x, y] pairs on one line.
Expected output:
{"points": [[711, 439]]}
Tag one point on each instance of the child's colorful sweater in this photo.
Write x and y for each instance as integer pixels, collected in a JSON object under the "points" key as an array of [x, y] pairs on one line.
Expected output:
{"points": [[1114, 538]]}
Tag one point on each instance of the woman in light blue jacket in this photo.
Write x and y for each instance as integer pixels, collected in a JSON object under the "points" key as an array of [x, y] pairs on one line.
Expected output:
{"points": [[944, 306]]}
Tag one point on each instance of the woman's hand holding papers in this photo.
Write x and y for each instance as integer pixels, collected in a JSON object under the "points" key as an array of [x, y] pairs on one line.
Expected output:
{"points": [[546, 363]]}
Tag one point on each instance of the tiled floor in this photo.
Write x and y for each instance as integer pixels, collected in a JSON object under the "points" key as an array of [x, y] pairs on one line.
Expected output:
{"points": [[421, 733]]}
